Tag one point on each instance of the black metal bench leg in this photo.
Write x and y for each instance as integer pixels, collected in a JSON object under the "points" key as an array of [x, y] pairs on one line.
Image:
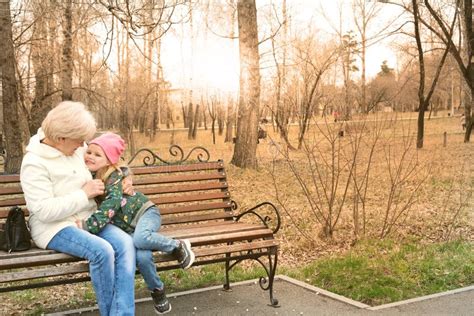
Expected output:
{"points": [[272, 264], [227, 269]]}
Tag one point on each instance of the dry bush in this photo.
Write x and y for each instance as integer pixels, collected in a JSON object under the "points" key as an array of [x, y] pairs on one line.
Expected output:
{"points": [[366, 183]]}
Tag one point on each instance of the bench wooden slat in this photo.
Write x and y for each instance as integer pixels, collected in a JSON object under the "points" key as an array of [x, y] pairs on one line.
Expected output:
{"points": [[197, 218], [44, 272], [212, 251], [184, 188], [165, 209], [11, 190], [12, 202], [9, 178], [34, 251], [209, 229], [178, 168], [40, 260], [179, 178], [190, 197], [226, 237]]}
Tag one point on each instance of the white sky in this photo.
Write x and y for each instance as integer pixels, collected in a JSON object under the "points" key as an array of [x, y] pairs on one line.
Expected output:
{"points": [[215, 61]]}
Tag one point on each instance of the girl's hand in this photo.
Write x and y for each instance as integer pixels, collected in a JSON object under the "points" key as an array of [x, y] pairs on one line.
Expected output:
{"points": [[93, 188], [127, 185]]}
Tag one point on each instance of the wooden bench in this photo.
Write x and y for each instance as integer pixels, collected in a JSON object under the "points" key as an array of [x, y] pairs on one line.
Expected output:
{"points": [[195, 203]]}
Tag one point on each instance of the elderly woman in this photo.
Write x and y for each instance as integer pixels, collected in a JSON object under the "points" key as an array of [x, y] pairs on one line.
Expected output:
{"points": [[59, 190]]}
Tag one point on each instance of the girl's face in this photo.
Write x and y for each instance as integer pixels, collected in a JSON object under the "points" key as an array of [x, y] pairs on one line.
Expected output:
{"points": [[95, 158]]}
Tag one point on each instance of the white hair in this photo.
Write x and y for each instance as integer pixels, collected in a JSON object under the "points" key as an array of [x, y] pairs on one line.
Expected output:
{"points": [[69, 119]]}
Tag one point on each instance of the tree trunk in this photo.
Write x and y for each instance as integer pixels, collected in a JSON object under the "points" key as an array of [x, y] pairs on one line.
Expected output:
{"points": [[245, 150], [11, 126], [185, 115], [213, 130], [190, 121], [230, 123], [468, 35], [41, 57], [67, 63], [220, 120], [196, 122]]}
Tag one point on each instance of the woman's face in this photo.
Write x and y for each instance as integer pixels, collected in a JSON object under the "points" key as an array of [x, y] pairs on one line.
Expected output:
{"points": [[69, 145], [95, 158]]}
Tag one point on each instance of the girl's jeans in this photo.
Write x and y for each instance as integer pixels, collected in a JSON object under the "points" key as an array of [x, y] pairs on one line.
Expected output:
{"points": [[146, 239], [111, 256]]}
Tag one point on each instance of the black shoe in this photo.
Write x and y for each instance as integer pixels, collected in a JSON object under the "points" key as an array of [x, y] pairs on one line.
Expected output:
{"points": [[160, 301], [184, 254]]}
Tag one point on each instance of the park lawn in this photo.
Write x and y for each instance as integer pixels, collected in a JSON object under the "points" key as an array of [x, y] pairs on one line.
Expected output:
{"points": [[380, 272]]}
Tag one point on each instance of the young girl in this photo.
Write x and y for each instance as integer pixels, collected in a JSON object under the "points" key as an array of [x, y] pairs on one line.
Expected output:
{"points": [[135, 214]]}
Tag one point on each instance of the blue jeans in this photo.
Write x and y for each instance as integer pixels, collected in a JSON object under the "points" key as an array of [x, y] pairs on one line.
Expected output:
{"points": [[111, 256], [146, 239]]}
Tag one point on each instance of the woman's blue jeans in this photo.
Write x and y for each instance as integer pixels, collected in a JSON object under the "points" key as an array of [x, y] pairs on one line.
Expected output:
{"points": [[111, 256], [146, 238]]}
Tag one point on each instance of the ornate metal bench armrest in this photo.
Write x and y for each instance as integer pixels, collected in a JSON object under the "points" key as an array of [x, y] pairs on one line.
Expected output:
{"points": [[264, 219]]}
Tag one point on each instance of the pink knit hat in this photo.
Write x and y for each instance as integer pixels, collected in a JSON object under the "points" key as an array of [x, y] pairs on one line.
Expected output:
{"points": [[112, 144]]}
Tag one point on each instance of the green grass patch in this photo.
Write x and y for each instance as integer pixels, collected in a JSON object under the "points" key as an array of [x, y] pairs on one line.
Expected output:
{"points": [[379, 272]]}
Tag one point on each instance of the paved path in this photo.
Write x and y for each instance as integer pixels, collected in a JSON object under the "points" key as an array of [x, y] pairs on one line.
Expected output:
{"points": [[297, 298]]}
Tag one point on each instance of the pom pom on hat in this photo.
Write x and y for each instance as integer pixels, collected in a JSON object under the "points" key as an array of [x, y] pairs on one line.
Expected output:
{"points": [[112, 144]]}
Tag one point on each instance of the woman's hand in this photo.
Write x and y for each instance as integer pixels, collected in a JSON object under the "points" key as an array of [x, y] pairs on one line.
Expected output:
{"points": [[127, 185], [93, 188], [79, 223]]}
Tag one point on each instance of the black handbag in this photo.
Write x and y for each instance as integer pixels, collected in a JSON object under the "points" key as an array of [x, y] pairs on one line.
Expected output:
{"points": [[15, 236]]}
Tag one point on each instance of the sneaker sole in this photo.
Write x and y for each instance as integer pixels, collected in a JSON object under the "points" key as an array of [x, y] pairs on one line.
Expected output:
{"points": [[161, 313], [187, 245]]}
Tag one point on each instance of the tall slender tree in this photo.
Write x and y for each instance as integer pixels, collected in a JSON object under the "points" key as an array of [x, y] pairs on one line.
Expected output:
{"points": [[67, 62], [463, 54], [42, 57], [11, 125], [245, 150], [424, 100]]}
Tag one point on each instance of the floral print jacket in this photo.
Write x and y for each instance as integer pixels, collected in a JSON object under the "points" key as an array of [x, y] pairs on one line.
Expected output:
{"points": [[117, 208]]}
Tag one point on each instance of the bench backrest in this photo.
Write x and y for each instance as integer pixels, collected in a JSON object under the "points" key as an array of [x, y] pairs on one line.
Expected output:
{"points": [[188, 192]]}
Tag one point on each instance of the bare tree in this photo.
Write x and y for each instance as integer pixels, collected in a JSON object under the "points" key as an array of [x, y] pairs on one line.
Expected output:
{"points": [[190, 118], [312, 62], [42, 56], [220, 119], [196, 121], [364, 14], [229, 121], [424, 101], [281, 114], [463, 54], [67, 62], [245, 149], [212, 109], [11, 127]]}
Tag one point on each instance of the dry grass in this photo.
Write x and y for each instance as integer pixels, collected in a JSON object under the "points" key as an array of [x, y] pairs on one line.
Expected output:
{"points": [[432, 216]]}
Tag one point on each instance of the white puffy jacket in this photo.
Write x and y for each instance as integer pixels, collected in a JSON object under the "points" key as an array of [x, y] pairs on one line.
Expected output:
{"points": [[52, 182]]}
